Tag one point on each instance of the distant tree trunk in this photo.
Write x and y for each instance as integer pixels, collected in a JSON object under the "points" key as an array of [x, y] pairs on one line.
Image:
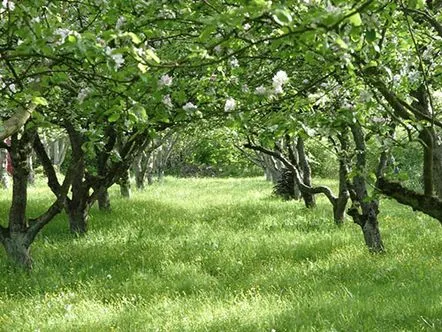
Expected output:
{"points": [[365, 208], [125, 184], [4, 181], [31, 176], [304, 165]]}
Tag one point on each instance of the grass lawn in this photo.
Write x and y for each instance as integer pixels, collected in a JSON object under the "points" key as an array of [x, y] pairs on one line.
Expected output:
{"points": [[223, 255]]}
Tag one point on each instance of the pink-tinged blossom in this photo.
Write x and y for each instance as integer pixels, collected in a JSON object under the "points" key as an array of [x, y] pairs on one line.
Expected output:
{"points": [[165, 80]]}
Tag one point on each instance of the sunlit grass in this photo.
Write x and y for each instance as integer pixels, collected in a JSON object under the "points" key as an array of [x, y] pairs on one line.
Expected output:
{"points": [[223, 255]]}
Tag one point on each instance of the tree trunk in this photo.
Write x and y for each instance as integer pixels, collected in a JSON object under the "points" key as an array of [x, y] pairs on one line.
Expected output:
{"points": [[77, 207], [365, 208], [17, 249], [78, 215], [125, 184], [4, 181], [304, 165], [14, 238], [104, 200]]}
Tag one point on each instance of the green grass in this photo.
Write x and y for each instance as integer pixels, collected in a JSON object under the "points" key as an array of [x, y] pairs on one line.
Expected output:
{"points": [[223, 255]]}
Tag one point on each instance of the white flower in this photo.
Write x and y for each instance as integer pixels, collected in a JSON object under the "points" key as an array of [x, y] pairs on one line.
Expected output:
{"points": [[82, 94], [7, 4], [260, 91], [218, 49], [120, 22], [189, 107], [12, 88], [247, 26], [36, 19], [278, 90], [280, 78], [230, 104], [165, 80], [234, 62], [116, 57], [167, 101], [63, 33]]}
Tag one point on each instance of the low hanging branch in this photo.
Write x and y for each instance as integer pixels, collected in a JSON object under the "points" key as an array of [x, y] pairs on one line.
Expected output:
{"points": [[304, 188], [15, 122], [430, 205]]}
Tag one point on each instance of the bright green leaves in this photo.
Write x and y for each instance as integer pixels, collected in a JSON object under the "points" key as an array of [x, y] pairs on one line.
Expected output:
{"points": [[355, 19], [416, 4], [40, 101], [283, 17]]}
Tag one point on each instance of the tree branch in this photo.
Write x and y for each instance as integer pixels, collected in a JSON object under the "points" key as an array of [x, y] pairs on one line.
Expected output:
{"points": [[16, 121]]}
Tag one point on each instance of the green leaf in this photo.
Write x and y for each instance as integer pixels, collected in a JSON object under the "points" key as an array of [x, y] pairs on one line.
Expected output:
{"points": [[152, 56], [370, 35], [40, 101], [282, 17], [341, 43], [355, 20], [114, 117]]}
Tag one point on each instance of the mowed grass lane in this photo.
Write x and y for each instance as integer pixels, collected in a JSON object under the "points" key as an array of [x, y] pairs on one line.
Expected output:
{"points": [[223, 255]]}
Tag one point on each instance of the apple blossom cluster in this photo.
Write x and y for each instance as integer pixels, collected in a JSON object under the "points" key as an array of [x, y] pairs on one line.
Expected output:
{"points": [[230, 104], [7, 5], [279, 80], [167, 101], [82, 95], [116, 57], [165, 80], [190, 107]]}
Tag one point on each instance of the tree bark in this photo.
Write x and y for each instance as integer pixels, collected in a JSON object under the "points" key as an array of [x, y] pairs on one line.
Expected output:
{"points": [[125, 184], [4, 181], [104, 200], [304, 165], [364, 209]]}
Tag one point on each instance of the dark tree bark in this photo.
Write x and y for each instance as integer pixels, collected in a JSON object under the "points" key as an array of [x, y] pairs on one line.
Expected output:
{"points": [[77, 208], [364, 209], [125, 184], [304, 165], [103, 199]]}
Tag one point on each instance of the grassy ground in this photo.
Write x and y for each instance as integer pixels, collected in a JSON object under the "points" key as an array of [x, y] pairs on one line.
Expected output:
{"points": [[223, 255]]}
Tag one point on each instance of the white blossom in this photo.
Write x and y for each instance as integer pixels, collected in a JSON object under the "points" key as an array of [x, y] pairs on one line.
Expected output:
{"points": [[260, 91], [12, 88], [189, 107], [230, 104], [7, 4], [165, 80], [120, 22], [247, 26], [414, 76], [167, 101], [245, 88], [234, 62], [218, 49], [82, 95], [279, 80], [306, 81], [63, 33], [116, 57]]}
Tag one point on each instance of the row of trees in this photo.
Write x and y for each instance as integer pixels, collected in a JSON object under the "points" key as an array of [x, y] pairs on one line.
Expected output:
{"points": [[117, 77]]}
